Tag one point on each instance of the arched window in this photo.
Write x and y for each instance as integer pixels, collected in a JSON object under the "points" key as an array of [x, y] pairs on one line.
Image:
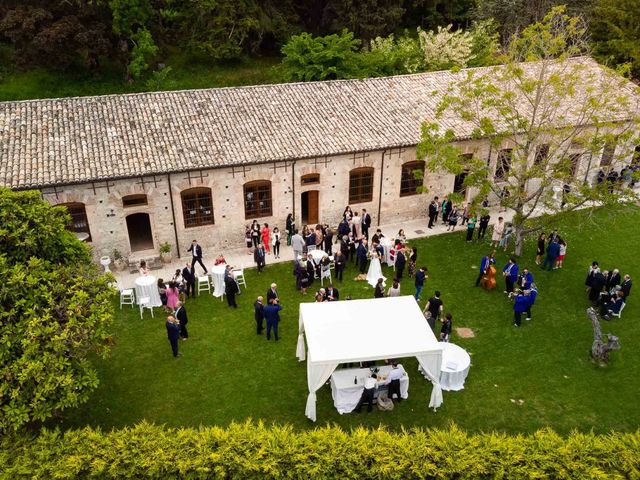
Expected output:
{"points": [[257, 199], [79, 223], [361, 185], [412, 178], [197, 207]]}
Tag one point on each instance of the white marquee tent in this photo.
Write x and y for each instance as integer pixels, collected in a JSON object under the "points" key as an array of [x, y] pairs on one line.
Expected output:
{"points": [[361, 330]]}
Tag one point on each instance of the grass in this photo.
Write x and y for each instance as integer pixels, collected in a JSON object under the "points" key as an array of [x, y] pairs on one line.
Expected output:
{"points": [[186, 73], [228, 373]]}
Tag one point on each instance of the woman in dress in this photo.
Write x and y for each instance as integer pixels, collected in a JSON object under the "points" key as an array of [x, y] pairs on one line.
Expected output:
{"points": [[142, 268], [379, 289], [401, 239], [289, 227], [471, 226], [162, 290], [356, 221], [275, 241], [453, 218], [347, 214], [219, 260], [540, 249], [394, 290], [255, 233], [498, 230], [413, 258], [504, 241], [247, 238], [375, 270], [173, 296], [319, 238], [266, 236], [302, 277]]}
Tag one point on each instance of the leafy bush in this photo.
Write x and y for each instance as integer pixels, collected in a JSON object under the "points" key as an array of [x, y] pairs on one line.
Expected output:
{"points": [[250, 451]]}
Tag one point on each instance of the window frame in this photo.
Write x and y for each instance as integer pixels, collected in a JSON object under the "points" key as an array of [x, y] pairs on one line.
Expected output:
{"points": [[415, 184], [503, 167], [360, 195], [310, 179], [200, 194], [134, 197], [81, 214], [257, 186], [608, 154]]}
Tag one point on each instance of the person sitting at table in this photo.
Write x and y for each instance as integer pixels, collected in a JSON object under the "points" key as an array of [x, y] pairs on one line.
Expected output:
{"points": [[173, 296], [162, 291], [142, 268], [393, 380], [219, 260], [367, 394]]}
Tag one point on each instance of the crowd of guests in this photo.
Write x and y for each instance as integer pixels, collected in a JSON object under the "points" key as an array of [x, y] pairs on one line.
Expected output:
{"points": [[607, 290]]}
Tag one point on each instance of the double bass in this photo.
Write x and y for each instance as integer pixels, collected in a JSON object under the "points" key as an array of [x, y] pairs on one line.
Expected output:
{"points": [[489, 278]]}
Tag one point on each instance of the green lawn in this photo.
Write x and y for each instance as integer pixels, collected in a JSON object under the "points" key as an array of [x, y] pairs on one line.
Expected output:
{"points": [[186, 73], [228, 373]]}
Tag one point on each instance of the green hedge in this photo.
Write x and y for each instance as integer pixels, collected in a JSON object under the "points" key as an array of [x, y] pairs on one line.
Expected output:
{"points": [[246, 451]]}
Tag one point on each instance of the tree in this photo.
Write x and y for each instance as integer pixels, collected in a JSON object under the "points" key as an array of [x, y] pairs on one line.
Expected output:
{"points": [[615, 34], [308, 58], [55, 312], [550, 120]]}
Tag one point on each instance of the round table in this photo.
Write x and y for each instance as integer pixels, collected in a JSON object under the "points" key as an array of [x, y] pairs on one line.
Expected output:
{"points": [[455, 366], [387, 245], [217, 277], [318, 255], [147, 286]]}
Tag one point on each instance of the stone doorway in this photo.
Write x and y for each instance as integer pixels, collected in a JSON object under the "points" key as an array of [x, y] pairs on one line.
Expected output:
{"points": [[139, 228], [310, 207], [459, 186]]}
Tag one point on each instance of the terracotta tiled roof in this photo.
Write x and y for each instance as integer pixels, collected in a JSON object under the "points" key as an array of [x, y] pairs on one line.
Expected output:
{"points": [[69, 140]]}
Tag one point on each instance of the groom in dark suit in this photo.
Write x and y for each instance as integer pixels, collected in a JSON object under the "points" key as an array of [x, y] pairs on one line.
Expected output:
{"points": [[189, 275], [361, 255], [366, 223], [401, 261], [196, 252]]}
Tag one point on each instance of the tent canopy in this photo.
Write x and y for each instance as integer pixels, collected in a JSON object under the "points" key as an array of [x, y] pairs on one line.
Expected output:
{"points": [[359, 330]]}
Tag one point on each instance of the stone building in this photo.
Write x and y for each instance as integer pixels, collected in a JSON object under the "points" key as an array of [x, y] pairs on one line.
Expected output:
{"points": [[139, 170]]}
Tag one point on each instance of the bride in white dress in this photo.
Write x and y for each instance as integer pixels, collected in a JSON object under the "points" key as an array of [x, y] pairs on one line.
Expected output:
{"points": [[375, 270]]}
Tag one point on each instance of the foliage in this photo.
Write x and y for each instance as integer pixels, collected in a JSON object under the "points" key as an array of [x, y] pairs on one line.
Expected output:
{"points": [[525, 108], [55, 310], [366, 18], [614, 32], [308, 58], [30, 227], [143, 52], [165, 247], [445, 48], [255, 451]]}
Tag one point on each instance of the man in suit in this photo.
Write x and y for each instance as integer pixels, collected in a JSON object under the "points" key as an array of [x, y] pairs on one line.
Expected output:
{"points": [[366, 223], [258, 314], [173, 333], [231, 288], [339, 261], [613, 279], [361, 255], [433, 211], [196, 255], [401, 261], [181, 315], [482, 227], [259, 257], [343, 228], [189, 275], [332, 294], [510, 273], [272, 292], [626, 286], [328, 241], [272, 316]]}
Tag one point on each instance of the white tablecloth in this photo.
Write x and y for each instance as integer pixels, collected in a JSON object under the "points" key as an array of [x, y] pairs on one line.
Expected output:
{"points": [[147, 286], [317, 255], [455, 367], [386, 245], [217, 279], [346, 394]]}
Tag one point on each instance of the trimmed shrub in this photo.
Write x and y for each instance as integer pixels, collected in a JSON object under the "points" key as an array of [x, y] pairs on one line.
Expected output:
{"points": [[251, 450]]}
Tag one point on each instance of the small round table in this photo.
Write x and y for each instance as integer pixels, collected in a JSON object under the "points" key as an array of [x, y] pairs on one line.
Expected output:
{"points": [[146, 286], [217, 276], [455, 366], [318, 255], [387, 245]]}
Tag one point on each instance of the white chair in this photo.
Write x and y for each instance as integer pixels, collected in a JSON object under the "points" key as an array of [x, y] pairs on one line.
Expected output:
{"points": [[311, 248], [392, 258], [619, 314], [325, 272], [204, 284], [332, 265], [127, 297], [145, 302], [239, 276]]}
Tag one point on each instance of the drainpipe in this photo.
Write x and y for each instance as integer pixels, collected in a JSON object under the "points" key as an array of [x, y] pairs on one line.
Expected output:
{"points": [[384, 152], [173, 214], [293, 190]]}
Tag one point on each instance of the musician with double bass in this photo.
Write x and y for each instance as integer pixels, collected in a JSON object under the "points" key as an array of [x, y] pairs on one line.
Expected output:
{"points": [[486, 270]]}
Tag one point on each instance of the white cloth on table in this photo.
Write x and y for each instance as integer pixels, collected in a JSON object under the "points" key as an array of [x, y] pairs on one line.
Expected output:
{"points": [[147, 286], [318, 255], [375, 272], [386, 245], [455, 367], [217, 277], [346, 394]]}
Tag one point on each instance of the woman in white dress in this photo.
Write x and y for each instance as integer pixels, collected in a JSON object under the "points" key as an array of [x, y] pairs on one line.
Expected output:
{"points": [[375, 270], [356, 221]]}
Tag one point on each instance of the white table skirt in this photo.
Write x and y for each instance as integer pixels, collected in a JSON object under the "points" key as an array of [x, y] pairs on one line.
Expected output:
{"points": [[317, 255], [217, 279], [346, 394], [386, 245], [147, 286], [455, 367]]}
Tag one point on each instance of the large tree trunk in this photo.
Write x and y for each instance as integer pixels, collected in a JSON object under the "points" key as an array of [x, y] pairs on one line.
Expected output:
{"points": [[519, 235]]}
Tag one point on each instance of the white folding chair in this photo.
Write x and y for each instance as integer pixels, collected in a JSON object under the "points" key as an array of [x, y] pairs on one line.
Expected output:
{"points": [[127, 297], [332, 265], [619, 314], [204, 284], [392, 258], [145, 302], [325, 272], [239, 276], [311, 248]]}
